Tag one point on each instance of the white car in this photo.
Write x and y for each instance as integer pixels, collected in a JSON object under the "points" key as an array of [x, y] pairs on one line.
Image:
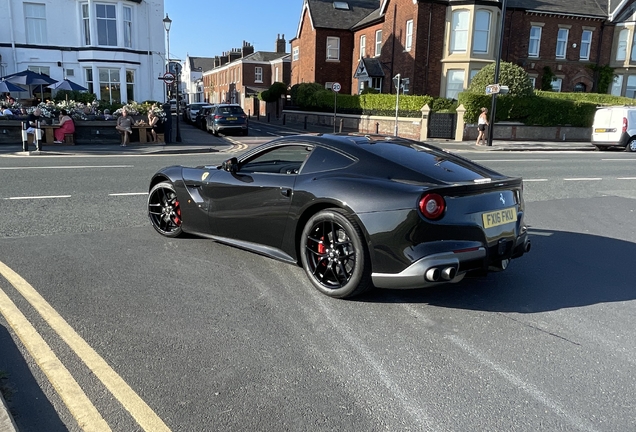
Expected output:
{"points": [[193, 109], [615, 127], [173, 105]]}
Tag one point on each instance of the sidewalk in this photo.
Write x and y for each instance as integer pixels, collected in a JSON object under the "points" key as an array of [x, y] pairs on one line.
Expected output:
{"points": [[194, 140]]}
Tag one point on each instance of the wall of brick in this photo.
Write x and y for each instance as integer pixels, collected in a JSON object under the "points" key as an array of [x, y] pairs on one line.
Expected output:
{"points": [[303, 69]]}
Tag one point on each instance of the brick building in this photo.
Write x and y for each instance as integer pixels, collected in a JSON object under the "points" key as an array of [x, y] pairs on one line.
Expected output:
{"points": [[440, 45], [242, 73]]}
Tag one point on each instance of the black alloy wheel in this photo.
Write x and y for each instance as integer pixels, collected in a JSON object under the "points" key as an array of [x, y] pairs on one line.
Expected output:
{"points": [[164, 210], [333, 255]]}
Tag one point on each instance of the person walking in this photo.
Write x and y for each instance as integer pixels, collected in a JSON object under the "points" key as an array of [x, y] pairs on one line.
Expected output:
{"points": [[482, 122]]}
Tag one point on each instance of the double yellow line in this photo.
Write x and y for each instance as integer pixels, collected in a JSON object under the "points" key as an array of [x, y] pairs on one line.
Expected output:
{"points": [[85, 413]]}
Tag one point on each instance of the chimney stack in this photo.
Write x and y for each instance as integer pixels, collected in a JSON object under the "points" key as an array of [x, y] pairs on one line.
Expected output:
{"points": [[247, 49], [281, 45]]}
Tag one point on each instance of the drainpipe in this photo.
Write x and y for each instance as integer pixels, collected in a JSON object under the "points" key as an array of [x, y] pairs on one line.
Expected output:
{"points": [[15, 56], [598, 59], [150, 57], [428, 47]]}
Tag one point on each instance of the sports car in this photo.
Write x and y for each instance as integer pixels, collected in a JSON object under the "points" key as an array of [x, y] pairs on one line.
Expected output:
{"points": [[356, 211]]}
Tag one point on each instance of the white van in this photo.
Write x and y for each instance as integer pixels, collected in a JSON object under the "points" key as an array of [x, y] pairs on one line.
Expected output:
{"points": [[615, 126]]}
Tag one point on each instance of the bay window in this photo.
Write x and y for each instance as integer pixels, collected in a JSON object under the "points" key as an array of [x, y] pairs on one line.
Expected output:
{"points": [[454, 83], [106, 24], [481, 32], [459, 31]]}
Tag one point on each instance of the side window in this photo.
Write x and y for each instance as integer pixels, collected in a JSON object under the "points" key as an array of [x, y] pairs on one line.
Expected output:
{"points": [[323, 159], [286, 159]]}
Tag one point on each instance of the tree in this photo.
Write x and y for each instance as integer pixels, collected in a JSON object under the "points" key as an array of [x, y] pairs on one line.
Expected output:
{"points": [[511, 75], [274, 92]]}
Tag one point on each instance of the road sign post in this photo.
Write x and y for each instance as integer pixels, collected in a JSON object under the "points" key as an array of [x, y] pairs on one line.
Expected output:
{"points": [[336, 87]]}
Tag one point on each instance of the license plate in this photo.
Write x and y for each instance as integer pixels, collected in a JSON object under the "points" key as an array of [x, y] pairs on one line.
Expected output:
{"points": [[601, 130], [499, 217], [231, 118]]}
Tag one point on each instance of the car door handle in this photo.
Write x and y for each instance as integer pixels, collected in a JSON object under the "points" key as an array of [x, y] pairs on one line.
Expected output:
{"points": [[285, 192]]}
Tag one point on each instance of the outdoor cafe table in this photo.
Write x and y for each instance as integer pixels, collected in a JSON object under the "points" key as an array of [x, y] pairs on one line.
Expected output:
{"points": [[143, 129], [49, 132]]}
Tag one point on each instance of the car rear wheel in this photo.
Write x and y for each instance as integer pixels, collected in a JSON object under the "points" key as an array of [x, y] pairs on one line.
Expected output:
{"points": [[164, 210], [631, 145], [334, 256]]}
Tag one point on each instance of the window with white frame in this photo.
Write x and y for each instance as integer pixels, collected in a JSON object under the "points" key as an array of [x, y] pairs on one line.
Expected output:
{"points": [[106, 17], [130, 84], [258, 74], [556, 84], [363, 46], [533, 81], [454, 83], [276, 79], [86, 25], [472, 74], [376, 83], [459, 31], [586, 44], [35, 23], [633, 57], [481, 31], [295, 54], [535, 41], [378, 43], [630, 89], [127, 27], [43, 70], [88, 76], [621, 49], [333, 48], [562, 43], [109, 85], [617, 85], [409, 35]]}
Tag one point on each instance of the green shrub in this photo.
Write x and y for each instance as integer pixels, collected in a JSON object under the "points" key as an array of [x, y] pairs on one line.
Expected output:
{"points": [[274, 92], [511, 75], [75, 95]]}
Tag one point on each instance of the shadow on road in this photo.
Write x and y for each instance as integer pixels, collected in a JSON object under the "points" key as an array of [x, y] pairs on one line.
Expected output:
{"points": [[29, 406], [563, 270]]}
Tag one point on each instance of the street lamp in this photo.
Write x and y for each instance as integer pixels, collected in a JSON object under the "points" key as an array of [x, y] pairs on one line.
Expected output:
{"points": [[167, 23]]}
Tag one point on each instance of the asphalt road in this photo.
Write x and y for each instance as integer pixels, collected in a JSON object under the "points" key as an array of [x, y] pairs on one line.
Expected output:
{"points": [[209, 337]]}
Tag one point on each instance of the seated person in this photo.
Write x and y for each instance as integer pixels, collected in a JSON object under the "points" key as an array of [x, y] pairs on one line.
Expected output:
{"points": [[6, 112], [124, 126], [66, 126], [152, 122], [107, 115], [32, 126]]}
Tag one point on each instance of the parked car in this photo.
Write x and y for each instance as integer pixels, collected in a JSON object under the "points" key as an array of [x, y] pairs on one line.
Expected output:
{"points": [[615, 127], [193, 109], [355, 211], [226, 117], [201, 117], [173, 105]]}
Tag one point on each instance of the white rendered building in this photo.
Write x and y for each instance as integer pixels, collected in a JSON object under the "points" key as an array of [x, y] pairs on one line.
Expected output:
{"points": [[115, 48]]}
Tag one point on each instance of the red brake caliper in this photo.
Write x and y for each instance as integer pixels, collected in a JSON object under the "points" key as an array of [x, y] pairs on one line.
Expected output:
{"points": [[177, 218], [321, 246]]}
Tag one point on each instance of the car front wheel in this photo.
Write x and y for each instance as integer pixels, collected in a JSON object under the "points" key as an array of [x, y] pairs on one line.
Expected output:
{"points": [[164, 210], [334, 256], [631, 145]]}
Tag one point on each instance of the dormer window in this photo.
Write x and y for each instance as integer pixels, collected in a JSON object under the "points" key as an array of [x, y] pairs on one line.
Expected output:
{"points": [[341, 5]]}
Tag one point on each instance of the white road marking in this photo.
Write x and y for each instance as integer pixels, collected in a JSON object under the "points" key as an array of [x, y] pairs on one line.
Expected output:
{"points": [[535, 180], [583, 179], [147, 419], [273, 134], [619, 160], [625, 178], [68, 167], [512, 160], [128, 193], [38, 197]]}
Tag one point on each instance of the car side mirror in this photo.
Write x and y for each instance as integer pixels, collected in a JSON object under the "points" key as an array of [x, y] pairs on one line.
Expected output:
{"points": [[230, 165]]}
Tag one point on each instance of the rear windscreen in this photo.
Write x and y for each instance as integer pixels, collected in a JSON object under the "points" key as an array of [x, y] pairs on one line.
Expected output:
{"points": [[436, 164], [230, 110]]}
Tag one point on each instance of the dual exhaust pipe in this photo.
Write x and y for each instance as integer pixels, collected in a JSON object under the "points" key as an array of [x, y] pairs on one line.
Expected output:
{"points": [[435, 274]]}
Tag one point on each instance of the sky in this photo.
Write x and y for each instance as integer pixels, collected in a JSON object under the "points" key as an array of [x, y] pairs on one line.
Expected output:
{"points": [[207, 28]]}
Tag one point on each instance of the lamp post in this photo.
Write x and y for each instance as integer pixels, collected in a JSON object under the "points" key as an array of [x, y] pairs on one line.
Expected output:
{"points": [[493, 103], [167, 23]]}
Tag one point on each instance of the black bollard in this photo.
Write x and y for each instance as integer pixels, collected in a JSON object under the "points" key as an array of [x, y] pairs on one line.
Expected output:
{"points": [[284, 115], [268, 117], [377, 128], [305, 125], [25, 137]]}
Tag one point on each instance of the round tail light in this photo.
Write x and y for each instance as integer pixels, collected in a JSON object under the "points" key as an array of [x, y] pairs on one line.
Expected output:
{"points": [[432, 206]]}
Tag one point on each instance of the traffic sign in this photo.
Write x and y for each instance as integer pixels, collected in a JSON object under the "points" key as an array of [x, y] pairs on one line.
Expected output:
{"points": [[168, 78], [336, 87], [492, 89]]}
